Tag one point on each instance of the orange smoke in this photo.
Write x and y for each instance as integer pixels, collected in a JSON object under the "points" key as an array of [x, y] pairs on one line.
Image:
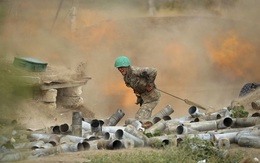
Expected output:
{"points": [[119, 89], [174, 52], [178, 56], [95, 37], [233, 55]]}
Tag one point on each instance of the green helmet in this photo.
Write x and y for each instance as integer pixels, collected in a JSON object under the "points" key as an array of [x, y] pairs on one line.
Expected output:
{"points": [[122, 61]]}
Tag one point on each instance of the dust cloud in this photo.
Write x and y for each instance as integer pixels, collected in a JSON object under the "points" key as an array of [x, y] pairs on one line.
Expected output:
{"points": [[204, 55]]}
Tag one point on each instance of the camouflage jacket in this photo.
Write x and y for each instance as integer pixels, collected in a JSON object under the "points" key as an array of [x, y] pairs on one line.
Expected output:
{"points": [[138, 78]]}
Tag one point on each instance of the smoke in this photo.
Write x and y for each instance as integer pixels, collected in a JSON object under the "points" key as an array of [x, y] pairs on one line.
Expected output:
{"points": [[200, 55]]}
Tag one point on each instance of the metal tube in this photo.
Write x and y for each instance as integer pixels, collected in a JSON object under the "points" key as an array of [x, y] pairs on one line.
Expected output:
{"points": [[184, 119], [47, 146], [166, 118], [132, 130], [77, 124], [111, 129], [119, 134], [202, 126], [247, 132], [103, 122], [86, 145], [114, 144], [72, 138], [96, 126], [136, 123], [241, 133], [54, 140], [197, 119], [64, 140], [156, 119], [185, 130], [64, 128], [167, 110], [91, 137], [29, 145], [230, 136], [224, 122], [211, 117], [108, 136], [43, 137], [171, 126], [159, 126], [128, 143], [224, 143], [224, 112], [228, 130], [131, 120], [246, 122], [249, 141], [116, 117], [109, 144], [76, 147], [55, 129], [86, 125], [194, 112], [137, 141], [255, 132], [72, 147], [163, 140]]}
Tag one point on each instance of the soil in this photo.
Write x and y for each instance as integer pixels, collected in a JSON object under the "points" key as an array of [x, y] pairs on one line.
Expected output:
{"points": [[251, 154], [81, 156]]}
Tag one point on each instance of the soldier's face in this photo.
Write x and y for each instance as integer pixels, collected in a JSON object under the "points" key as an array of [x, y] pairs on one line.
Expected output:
{"points": [[122, 70]]}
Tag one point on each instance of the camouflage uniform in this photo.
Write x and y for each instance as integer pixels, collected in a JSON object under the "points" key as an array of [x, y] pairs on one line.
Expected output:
{"points": [[138, 78]]}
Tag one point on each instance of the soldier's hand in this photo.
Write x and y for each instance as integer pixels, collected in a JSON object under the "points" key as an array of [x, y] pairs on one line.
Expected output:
{"points": [[149, 88], [139, 101]]}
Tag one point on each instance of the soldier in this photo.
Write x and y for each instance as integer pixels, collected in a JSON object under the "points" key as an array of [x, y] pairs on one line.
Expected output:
{"points": [[141, 80]]}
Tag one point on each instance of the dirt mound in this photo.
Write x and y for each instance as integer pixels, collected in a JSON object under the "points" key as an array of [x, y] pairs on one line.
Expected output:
{"points": [[246, 101], [37, 115]]}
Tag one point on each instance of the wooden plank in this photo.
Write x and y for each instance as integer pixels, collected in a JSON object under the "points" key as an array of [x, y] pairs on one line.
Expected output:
{"points": [[56, 85]]}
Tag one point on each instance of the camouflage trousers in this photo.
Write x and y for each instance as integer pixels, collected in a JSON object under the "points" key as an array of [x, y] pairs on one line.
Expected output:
{"points": [[145, 111]]}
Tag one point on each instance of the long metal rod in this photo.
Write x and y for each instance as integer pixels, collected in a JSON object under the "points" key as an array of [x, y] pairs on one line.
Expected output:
{"points": [[170, 94], [185, 100]]}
